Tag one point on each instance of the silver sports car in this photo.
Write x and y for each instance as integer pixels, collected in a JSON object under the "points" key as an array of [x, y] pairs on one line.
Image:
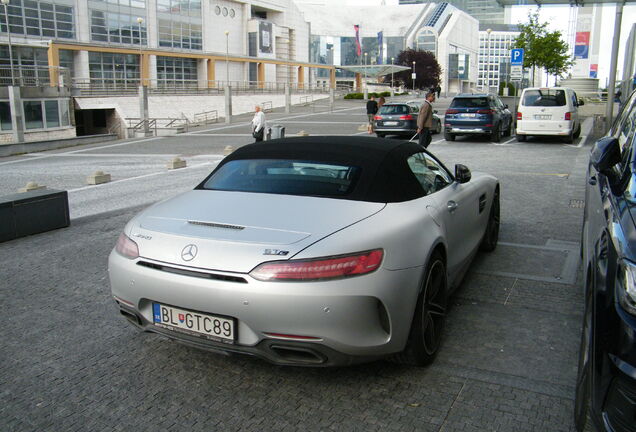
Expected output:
{"points": [[309, 251]]}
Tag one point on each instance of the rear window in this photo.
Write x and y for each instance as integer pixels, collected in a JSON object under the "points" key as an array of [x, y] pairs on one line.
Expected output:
{"points": [[469, 103], [394, 109], [290, 177], [543, 98]]}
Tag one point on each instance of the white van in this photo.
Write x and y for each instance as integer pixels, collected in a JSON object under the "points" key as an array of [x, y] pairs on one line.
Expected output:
{"points": [[549, 111]]}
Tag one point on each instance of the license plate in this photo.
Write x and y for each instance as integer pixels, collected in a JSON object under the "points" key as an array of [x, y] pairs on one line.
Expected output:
{"points": [[469, 115], [211, 326], [390, 123], [542, 117]]}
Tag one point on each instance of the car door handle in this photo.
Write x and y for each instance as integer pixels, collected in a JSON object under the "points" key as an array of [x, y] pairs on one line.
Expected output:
{"points": [[452, 206], [592, 181]]}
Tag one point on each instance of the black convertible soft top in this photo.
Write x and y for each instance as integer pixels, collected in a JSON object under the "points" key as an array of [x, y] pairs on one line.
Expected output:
{"points": [[385, 175]]}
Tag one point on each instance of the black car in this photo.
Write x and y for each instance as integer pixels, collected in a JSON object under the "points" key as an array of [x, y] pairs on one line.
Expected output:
{"points": [[470, 114], [606, 380], [397, 118]]}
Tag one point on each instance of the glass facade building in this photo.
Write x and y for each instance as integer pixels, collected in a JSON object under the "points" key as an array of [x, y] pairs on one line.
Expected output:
{"points": [[50, 19], [494, 57], [486, 11]]}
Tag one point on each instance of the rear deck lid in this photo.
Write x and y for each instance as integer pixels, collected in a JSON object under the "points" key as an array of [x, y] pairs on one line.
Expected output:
{"points": [[235, 231]]}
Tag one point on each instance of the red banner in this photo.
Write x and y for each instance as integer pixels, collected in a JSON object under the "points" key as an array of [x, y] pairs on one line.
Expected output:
{"points": [[358, 47]]}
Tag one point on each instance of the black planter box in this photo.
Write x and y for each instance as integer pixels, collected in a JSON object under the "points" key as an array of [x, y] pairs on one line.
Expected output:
{"points": [[33, 212]]}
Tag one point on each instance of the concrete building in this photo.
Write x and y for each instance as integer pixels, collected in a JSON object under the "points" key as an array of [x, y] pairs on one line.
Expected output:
{"points": [[495, 43], [449, 33]]}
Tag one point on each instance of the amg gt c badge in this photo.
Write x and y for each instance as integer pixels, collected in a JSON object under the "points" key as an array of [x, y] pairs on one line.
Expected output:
{"points": [[275, 252]]}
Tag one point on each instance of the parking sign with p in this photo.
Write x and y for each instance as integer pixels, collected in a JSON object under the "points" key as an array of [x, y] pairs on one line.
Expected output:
{"points": [[516, 56]]}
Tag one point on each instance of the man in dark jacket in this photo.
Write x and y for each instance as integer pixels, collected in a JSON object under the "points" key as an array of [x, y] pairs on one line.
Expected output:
{"points": [[372, 109], [425, 120]]}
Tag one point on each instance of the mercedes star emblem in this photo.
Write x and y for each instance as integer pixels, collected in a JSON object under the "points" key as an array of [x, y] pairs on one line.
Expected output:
{"points": [[189, 252]]}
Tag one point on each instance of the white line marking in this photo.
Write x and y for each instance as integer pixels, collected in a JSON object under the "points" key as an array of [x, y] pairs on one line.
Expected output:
{"points": [[140, 177], [438, 141]]}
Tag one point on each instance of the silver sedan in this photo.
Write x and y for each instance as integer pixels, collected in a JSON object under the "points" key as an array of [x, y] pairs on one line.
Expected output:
{"points": [[309, 251]]}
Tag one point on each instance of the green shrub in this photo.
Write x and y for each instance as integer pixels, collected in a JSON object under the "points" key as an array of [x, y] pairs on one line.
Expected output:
{"points": [[354, 96], [511, 88]]}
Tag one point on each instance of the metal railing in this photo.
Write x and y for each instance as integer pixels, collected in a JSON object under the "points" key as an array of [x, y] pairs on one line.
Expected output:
{"points": [[206, 117], [306, 100], [35, 76]]}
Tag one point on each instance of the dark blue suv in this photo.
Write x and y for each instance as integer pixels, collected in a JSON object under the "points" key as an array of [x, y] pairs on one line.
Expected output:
{"points": [[471, 114], [606, 380]]}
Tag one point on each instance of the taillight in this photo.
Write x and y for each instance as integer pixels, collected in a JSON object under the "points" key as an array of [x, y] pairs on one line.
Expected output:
{"points": [[568, 116], [320, 268], [485, 111], [519, 116], [377, 118], [406, 117], [126, 247], [451, 111]]}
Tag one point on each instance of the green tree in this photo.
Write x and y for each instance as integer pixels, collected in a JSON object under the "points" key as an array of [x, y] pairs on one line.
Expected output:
{"points": [[542, 49], [427, 69]]}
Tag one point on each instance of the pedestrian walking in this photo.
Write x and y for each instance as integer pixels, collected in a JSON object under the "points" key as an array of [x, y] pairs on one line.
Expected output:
{"points": [[425, 119], [258, 124], [372, 109], [438, 90]]}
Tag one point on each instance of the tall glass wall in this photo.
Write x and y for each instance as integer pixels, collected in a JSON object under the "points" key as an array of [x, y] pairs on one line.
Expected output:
{"points": [[176, 72], [180, 24], [33, 18], [116, 22], [110, 69]]}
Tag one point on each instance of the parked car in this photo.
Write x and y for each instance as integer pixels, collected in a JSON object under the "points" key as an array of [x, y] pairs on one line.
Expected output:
{"points": [[470, 114], [549, 112], [606, 380], [399, 118], [309, 251]]}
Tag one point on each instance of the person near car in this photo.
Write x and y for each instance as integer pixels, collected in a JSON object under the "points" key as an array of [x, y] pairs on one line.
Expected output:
{"points": [[425, 120], [258, 124], [372, 109], [381, 101], [438, 90]]}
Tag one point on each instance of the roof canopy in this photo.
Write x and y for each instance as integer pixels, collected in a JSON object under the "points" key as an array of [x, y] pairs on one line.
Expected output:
{"points": [[560, 2], [374, 70]]}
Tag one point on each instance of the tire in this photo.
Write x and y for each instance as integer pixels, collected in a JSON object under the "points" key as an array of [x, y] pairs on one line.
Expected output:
{"points": [[379, 134], [439, 128], [521, 138], [569, 139], [491, 236], [578, 132], [582, 420], [495, 135], [449, 136], [508, 131], [425, 337]]}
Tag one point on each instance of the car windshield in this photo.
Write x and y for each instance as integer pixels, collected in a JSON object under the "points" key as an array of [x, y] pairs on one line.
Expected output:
{"points": [[469, 103], [394, 109], [290, 177], [543, 98]]}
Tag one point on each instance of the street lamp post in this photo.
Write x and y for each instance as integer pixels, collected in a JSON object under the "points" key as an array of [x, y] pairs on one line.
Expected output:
{"points": [[365, 68], [488, 62], [392, 60], [140, 21], [6, 17], [413, 76], [227, 58]]}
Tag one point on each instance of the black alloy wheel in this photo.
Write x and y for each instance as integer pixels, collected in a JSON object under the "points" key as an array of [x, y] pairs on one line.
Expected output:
{"points": [[430, 315], [449, 136], [521, 138], [582, 420], [491, 236]]}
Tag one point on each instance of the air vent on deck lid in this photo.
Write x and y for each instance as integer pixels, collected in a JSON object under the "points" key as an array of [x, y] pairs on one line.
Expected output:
{"points": [[216, 225]]}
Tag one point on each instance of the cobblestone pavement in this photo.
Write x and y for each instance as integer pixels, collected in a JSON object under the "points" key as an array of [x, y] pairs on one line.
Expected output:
{"points": [[508, 361]]}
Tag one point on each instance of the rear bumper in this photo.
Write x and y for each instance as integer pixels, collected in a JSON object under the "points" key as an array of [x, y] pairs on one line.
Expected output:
{"points": [[460, 130], [352, 320], [545, 127]]}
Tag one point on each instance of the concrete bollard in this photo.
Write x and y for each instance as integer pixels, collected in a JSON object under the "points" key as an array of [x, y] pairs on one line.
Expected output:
{"points": [[31, 186], [98, 178], [227, 150], [176, 163], [302, 133]]}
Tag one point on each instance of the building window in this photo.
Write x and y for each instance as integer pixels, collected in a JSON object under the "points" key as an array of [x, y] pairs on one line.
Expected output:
{"points": [[179, 23], [232, 13], [44, 114], [37, 18], [177, 71], [5, 116], [109, 69], [33, 118], [217, 10], [115, 27], [426, 40], [52, 113]]}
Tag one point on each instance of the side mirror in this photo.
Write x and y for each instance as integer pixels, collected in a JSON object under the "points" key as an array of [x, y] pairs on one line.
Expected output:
{"points": [[581, 102], [506, 106], [462, 173], [605, 154], [434, 111]]}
